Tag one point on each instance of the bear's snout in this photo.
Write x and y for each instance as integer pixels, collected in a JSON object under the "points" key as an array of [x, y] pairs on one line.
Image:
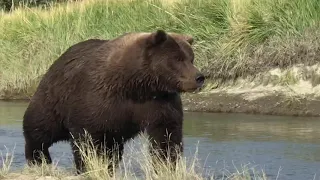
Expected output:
{"points": [[192, 83], [200, 79]]}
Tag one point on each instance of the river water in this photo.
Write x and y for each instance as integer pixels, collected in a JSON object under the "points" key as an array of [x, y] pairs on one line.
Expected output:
{"points": [[283, 147]]}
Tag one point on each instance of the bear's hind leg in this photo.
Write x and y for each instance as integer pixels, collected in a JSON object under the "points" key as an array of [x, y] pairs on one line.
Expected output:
{"points": [[38, 142], [37, 153], [40, 132]]}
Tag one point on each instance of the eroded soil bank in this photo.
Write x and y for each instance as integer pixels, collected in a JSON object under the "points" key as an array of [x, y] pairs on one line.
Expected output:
{"points": [[291, 91], [272, 104]]}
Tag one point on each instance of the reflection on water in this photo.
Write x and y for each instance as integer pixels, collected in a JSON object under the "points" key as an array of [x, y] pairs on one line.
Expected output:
{"points": [[290, 144], [235, 127]]}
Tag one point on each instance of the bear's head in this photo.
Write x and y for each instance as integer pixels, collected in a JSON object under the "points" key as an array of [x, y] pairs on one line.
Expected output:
{"points": [[171, 59]]}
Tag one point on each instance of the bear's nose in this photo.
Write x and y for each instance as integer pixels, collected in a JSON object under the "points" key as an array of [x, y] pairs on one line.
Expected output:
{"points": [[200, 78]]}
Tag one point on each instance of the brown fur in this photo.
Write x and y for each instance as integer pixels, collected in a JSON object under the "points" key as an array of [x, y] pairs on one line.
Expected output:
{"points": [[113, 89]]}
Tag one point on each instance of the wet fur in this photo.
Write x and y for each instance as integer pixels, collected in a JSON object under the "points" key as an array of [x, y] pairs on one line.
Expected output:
{"points": [[107, 88]]}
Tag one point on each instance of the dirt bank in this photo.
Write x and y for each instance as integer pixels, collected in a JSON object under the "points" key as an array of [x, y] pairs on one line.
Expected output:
{"points": [[292, 91], [272, 104]]}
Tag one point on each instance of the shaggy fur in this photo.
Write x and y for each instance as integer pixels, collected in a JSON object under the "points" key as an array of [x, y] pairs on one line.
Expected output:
{"points": [[113, 89]]}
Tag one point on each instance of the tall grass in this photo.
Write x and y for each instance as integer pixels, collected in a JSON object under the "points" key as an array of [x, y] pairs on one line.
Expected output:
{"points": [[136, 165], [234, 38], [5, 162]]}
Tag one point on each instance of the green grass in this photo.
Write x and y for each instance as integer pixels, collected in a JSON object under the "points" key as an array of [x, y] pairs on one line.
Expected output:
{"points": [[234, 38], [186, 168]]}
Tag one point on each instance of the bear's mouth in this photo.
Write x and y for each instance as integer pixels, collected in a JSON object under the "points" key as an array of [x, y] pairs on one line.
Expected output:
{"points": [[192, 90], [191, 86]]}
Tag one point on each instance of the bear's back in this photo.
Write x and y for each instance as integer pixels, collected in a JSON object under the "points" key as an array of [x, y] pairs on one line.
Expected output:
{"points": [[66, 74], [73, 59], [78, 51]]}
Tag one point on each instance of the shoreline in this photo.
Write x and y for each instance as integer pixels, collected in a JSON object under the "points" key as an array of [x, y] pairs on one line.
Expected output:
{"points": [[276, 103], [273, 104]]}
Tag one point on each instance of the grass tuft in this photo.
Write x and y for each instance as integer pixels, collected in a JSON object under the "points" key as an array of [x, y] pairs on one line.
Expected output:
{"points": [[6, 161], [137, 164]]}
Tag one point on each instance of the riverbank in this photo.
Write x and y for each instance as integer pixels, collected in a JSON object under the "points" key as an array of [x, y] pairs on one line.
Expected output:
{"points": [[272, 104], [266, 93], [53, 173], [297, 95], [252, 102]]}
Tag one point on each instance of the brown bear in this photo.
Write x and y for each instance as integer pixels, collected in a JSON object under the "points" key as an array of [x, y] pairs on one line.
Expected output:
{"points": [[113, 89]]}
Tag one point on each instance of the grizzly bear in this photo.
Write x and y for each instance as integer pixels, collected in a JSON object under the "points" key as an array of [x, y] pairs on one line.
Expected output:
{"points": [[113, 89]]}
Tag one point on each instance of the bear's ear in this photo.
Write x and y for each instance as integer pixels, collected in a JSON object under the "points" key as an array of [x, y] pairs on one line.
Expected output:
{"points": [[189, 39], [183, 37], [158, 37]]}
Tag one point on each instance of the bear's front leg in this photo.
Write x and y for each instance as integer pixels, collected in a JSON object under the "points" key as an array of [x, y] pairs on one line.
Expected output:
{"points": [[112, 150], [81, 143], [166, 143]]}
